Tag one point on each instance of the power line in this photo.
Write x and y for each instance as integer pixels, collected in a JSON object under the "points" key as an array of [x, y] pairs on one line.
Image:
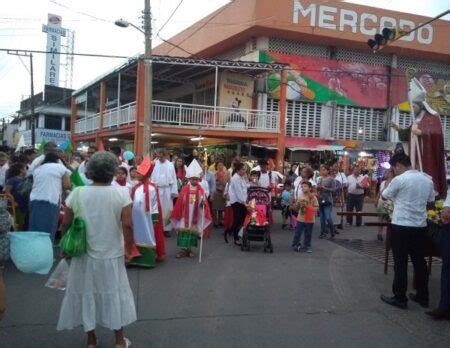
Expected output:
{"points": [[169, 18], [65, 53]]}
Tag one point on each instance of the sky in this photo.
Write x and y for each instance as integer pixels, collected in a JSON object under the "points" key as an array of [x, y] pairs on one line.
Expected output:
{"points": [[93, 22]]}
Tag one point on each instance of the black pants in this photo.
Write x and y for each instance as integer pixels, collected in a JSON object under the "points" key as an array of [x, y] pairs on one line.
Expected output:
{"points": [[409, 241], [355, 202], [239, 213]]}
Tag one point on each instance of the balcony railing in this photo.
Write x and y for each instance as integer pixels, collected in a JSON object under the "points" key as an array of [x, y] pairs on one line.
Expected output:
{"points": [[187, 115]]}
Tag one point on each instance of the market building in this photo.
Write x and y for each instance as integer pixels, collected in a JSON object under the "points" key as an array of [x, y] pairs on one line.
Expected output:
{"points": [[338, 95]]}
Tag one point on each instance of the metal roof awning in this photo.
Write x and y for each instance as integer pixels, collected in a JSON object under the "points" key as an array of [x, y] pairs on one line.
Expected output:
{"points": [[267, 147], [377, 146], [174, 71]]}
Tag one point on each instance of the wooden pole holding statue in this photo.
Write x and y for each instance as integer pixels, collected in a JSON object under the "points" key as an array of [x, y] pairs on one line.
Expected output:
{"points": [[203, 211]]}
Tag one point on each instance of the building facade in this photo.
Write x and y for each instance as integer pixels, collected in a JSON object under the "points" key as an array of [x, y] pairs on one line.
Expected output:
{"points": [[329, 91]]}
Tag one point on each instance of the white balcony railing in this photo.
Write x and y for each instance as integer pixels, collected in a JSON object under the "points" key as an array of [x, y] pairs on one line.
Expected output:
{"points": [[177, 114], [187, 115]]}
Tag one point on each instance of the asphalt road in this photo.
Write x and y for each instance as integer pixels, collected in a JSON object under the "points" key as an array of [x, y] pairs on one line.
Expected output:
{"points": [[329, 298]]}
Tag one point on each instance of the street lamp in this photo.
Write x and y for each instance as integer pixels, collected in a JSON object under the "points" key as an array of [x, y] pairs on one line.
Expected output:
{"points": [[147, 141]]}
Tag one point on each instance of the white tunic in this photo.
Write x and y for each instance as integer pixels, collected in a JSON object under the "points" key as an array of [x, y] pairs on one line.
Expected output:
{"points": [[144, 231], [165, 179]]}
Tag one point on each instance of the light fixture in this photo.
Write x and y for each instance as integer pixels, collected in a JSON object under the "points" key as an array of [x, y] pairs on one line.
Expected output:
{"points": [[345, 153], [360, 131], [154, 142], [113, 139], [197, 139], [154, 134], [122, 23], [362, 154]]}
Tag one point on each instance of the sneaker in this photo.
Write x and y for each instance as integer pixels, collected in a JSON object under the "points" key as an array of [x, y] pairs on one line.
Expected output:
{"points": [[322, 235], [309, 250]]}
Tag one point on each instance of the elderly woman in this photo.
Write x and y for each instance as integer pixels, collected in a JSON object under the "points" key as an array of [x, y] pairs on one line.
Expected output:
{"points": [[98, 291]]}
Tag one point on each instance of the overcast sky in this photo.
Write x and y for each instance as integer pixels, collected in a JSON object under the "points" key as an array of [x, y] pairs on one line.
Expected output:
{"points": [[95, 32]]}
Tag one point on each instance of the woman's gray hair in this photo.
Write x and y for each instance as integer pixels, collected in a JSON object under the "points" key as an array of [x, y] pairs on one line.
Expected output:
{"points": [[102, 167]]}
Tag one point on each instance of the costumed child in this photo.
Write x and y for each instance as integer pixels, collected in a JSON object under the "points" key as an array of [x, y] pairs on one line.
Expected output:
{"points": [[148, 227], [121, 179], [191, 214]]}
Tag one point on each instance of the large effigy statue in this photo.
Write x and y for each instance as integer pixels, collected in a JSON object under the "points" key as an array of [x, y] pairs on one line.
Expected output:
{"points": [[425, 137]]}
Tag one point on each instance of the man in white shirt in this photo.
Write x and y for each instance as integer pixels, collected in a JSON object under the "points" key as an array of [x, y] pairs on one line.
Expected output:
{"points": [[165, 179], [410, 191], [237, 191], [3, 169], [355, 199]]}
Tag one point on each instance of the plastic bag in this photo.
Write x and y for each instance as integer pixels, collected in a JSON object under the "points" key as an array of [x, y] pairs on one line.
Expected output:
{"points": [[31, 252], [73, 243], [58, 278]]}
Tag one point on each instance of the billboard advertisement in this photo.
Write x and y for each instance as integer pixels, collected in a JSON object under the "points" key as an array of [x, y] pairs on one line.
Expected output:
{"points": [[322, 80], [236, 90], [54, 32]]}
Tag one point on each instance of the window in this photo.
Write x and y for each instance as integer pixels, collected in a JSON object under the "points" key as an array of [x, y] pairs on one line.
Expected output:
{"points": [[53, 122], [355, 123]]}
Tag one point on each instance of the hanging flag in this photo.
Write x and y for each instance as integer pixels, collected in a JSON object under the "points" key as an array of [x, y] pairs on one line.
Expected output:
{"points": [[76, 179], [66, 146], [41, 147]]}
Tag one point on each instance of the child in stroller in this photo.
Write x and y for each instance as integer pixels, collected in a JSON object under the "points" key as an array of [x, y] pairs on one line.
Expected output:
{"points": [[256, 225]]}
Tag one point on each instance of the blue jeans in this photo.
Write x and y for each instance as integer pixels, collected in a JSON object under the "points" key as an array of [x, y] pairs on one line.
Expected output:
{"points": [[307, 228], [325, 218], [444, 303], [44, 217]]}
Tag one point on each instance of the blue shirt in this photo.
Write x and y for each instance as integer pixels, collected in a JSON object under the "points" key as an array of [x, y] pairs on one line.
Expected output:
{"points": [[285, 197]]}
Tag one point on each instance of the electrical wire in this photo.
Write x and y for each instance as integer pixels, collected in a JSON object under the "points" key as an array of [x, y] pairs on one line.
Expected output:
{"points": [[170, 17]]}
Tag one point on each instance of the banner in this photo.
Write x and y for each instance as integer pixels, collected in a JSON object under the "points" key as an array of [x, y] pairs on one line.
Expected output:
{"points": [[236, 90], [54, 33], [323, 80]]}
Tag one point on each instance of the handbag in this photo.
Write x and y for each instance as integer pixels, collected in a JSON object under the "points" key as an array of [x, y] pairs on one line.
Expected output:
{"points": [[73, 243]]}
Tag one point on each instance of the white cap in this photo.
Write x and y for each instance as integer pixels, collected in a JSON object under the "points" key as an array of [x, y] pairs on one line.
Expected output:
{"points": [[194, 170], [418, 94]]}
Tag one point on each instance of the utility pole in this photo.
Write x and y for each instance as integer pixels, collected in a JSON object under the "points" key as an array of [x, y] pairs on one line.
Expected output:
{"points": [[32, 118], [148, 95]]}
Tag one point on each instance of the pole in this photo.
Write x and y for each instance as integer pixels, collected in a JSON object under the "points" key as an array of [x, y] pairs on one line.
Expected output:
{"points": [[33, 126], [148, 92]]}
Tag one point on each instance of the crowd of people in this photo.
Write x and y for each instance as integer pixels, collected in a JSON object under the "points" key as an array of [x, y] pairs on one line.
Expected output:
{"points": [[132, 204]]}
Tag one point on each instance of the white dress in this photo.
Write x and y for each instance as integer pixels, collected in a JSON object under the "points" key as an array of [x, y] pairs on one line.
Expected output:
{"points": [[98, 291]]}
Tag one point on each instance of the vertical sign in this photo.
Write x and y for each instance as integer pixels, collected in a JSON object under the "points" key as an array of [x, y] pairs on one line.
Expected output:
{"points": [[54, 32]]}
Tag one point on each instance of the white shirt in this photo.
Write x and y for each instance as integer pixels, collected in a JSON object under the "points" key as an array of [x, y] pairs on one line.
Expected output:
{"points": [[164, 175], [47, 182], [342, 178], [37, 162], [3, 170], [410, 192], [237, 189], [447, 200], [205, 186], [352, 181], [265, 179], [82, 168], [298, 187], [103, 224]]}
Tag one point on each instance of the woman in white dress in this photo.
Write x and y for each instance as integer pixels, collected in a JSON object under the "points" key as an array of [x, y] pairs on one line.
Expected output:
{"points": [[98, 291]]}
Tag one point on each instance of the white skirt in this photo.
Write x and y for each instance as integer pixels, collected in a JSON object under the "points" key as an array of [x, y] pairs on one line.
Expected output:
{"points": [[98, 292]]}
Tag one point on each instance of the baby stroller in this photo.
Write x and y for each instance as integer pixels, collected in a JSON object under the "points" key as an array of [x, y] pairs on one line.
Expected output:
{"points": [[256, 226]]}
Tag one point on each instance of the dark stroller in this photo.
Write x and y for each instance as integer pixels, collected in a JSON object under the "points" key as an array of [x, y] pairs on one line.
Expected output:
{"points": [[256, 225]]}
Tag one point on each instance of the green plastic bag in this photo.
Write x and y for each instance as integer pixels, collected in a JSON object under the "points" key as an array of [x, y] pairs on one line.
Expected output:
{"points": [[73, 243]]}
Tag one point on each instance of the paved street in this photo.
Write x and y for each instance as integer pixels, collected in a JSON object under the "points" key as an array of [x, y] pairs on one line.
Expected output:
{"points": [[329, 298]]}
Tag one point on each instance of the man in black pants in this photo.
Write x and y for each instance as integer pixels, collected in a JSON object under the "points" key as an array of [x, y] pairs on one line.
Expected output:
{"points": [[410, 191], [355, 199], [238, 196]]}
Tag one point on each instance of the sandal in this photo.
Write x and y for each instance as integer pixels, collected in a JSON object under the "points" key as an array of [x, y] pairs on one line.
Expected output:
{"points": [[181, 254], [97, 343]]}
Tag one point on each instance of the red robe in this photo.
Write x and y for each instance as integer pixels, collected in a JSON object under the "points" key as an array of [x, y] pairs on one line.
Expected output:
{"points": [[159, 231], [431, 143], [179, 210]]}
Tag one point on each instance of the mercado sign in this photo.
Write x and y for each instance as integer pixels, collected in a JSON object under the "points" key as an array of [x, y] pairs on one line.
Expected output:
{"points": [[365, 23]]}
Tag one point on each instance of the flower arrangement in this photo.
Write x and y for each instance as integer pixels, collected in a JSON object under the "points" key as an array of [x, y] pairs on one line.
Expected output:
{"points": [[388, 209], [434, 215]]}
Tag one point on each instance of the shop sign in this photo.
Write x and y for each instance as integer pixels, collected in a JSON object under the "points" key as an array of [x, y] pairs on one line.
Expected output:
{"points": [[365, 23]]}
